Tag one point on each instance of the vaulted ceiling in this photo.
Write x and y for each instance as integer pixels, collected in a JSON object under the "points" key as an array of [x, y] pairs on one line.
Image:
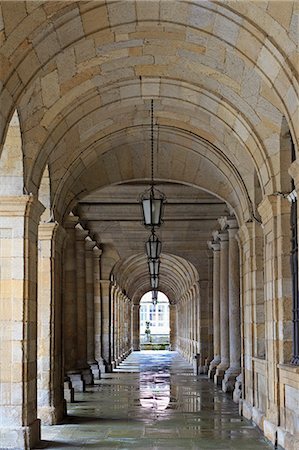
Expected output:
{"points": [[223, 76]]}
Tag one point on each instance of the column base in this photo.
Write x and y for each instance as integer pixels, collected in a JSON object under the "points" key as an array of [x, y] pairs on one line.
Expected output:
{"points": [[237, 393], [287, 440], [101, 365], [228, 383], [213, 366], [20, 438], [77, 381], [50, 415], [94, 367], [68, 390], [270, 431], [87, 375], [219, 375]]}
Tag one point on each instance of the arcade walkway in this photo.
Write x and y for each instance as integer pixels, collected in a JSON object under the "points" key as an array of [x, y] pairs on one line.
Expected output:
{"points": [[154, 401]]}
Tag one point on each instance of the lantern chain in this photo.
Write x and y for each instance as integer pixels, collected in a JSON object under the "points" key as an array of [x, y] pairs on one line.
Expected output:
{"points": [[152, 140]]}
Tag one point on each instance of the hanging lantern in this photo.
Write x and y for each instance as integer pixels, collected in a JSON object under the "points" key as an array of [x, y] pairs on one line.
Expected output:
{"points": [[154, 265], [153, 246], [152, 203], [154, 297], [152, 200], [154, 282]]}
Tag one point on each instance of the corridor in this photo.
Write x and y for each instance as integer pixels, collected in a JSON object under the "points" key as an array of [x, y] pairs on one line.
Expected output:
{"points": [[153, 401]]}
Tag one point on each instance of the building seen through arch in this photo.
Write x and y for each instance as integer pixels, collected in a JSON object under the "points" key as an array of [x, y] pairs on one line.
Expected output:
{"points": [[77, 80], [154, 322]]}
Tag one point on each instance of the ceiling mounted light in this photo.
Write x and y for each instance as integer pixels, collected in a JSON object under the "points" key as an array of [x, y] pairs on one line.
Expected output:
{"points": [[153, 246], [152, 200]]}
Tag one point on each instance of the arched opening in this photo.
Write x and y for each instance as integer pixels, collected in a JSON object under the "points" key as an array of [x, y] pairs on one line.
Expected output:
{"points": [[154, 322]]}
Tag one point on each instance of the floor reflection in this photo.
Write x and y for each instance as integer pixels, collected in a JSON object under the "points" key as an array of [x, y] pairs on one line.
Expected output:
{"points": [[153, 401]]}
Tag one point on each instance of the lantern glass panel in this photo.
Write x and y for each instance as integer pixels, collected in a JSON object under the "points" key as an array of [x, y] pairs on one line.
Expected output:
{"points": [[156, 206], [154, 295], [146, 207], [153, 247], [154, 282], [154, 265]]}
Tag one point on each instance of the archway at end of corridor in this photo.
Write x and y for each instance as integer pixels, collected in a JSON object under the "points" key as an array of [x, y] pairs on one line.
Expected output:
{"points": [[154, 322]]}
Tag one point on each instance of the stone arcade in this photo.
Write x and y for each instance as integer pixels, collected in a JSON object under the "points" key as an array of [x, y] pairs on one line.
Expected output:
{"points": [[77, 79]]}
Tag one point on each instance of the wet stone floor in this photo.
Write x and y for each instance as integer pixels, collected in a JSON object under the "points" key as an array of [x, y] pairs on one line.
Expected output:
{"points": [[153, 401]]}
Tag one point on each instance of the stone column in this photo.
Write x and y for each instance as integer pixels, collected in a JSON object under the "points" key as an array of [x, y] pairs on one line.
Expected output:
{"points": [[106, 323], [130, 326], [135, 327], [204, 326], [113, 325], [224, 323], [275, 214], [81, 306], [172, 323], [89, 277], [70, 311], [215, 246], [49, 353], [19, 219], [97, 308], [234, 309], [210, 350]]}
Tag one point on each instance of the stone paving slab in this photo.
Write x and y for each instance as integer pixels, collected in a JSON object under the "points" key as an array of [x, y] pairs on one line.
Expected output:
{"points": [[162, 406]]}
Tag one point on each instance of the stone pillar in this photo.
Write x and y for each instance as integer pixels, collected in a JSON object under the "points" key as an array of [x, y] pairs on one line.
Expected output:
{"points": [[224, 323], [234, 309], [136, 327], [97, 308], [19, 219], [275, 214], [50, 398], [106, 323], [130, 327], [204, 326], [216, 308], [113, 325], [89, 277], [81, 306], [172, 323], [210, 310], [70, 310]]}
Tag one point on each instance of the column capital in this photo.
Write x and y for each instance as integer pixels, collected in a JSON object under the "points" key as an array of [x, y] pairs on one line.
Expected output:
{"points": [[52, 230], [232, 223], [89, 243], [215, 235], [215, 246], [107, 283], [223, 222], [223, 237], [271, 206], [81, 234], [70, 221], [21, 206], [97, 252]]}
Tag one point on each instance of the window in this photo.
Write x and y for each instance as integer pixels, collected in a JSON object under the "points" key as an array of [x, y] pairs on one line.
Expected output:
{"points": [[152, 312]]}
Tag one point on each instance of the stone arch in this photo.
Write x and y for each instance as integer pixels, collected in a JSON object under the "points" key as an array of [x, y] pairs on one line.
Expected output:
{"points": [[11, 160], [44, 196]]}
